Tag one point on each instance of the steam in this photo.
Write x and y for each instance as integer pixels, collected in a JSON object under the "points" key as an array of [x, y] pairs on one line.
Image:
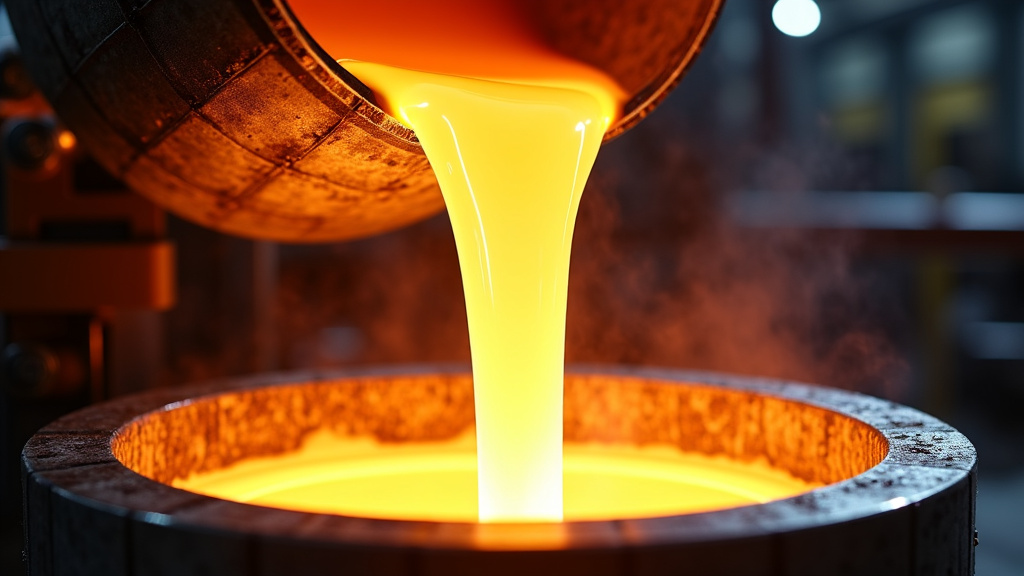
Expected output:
{"points": [[764, 303], [661, 275]]}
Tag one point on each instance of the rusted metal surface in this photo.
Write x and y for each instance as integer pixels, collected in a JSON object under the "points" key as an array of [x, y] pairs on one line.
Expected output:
{"points": [[224, 111], [907, 509]]}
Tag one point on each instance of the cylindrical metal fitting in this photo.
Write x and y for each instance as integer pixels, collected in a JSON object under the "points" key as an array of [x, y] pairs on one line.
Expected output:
{"points": [[227, 113], [30, 143], [898, 495]]}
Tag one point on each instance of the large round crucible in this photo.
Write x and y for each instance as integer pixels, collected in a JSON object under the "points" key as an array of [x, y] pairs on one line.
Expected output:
{"points": [[891, 490]]}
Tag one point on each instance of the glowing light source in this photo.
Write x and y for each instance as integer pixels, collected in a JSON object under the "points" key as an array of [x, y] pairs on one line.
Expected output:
{"points": [[796, 17], [66, 140]]}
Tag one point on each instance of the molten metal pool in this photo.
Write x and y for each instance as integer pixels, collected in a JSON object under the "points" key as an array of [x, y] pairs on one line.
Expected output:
{"points": [[437, 481]]}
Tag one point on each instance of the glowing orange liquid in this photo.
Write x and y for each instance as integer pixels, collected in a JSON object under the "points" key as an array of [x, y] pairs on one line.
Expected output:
{"points": [[470, 38]]}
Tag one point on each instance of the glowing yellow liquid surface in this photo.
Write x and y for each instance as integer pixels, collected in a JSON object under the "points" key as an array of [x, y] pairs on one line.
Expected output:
{"points": [[437, 481]]}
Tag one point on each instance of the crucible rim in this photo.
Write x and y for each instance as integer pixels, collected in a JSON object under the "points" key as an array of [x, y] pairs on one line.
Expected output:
{"points": [[925, 457]]}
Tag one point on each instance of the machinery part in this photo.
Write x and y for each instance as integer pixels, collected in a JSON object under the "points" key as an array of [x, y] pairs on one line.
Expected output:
{"points": [[74, 250], [899, 494], [30, 144], [227, 113]]}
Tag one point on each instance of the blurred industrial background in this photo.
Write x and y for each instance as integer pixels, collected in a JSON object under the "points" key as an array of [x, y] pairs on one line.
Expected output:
{"points": [[844, 207]]}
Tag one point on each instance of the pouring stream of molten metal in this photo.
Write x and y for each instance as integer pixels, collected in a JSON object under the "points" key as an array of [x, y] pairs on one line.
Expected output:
{"points": [[512, 160], [511, 130]]}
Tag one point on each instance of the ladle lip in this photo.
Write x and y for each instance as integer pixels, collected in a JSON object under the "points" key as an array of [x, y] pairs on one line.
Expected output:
{"points": [[73, 458], [331, 74], [647, 99]]}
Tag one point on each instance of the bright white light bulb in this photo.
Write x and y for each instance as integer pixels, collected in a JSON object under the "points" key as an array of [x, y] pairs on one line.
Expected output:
{"points": [[796, 17]]}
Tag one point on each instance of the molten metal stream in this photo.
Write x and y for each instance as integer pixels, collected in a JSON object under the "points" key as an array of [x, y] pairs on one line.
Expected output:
{"points": [[512, 160], [511, 130]]}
